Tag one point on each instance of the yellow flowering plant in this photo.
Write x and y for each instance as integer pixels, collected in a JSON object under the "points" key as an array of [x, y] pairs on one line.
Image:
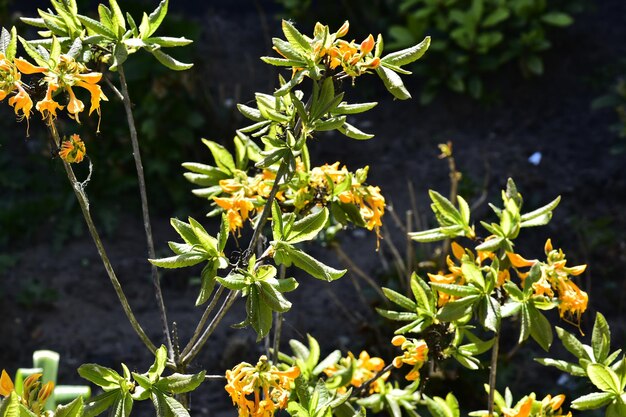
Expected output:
{"points": [[269, 190]]}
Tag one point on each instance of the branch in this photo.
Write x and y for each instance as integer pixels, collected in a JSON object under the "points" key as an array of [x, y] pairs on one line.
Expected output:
{"points": [[83, 201], [144, 209]]}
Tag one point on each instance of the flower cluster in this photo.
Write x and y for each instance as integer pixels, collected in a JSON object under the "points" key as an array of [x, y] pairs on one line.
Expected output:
{"points": [[59, 76], [354, 60], [363, 369], [415, 354], [258, 391], [530, 407], [555, 280], [329, 183], [73, 149], [245, 195], [34, 395], [241, 196]]}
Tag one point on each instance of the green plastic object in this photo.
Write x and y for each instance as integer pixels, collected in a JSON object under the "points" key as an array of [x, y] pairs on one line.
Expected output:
{"points": [[46, 362]]}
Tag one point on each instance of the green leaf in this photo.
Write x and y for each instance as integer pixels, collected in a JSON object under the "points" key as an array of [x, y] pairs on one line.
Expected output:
{"points": [[399, 299], [616, 409], [354, 133], [273, 298], [572, 344], [393, 83], [434, 235], [557, 19], [281, 62], [601, 338], [308, 227], [169, 62], [309, 264], [32, 52], [156, 17], [233, 281], [345, 108], [570, 368], [122, 406], [208, 242], [117, 18], [327, 362], [10, 406], [180, 383], [106, 378], [223, 159], [259, 314], [592, 401], [397, 315], [422, 293], [492, 314], [540, 328], [98, 404], [446, 213], [314, 352], [472, 273], [295, 38], [73, 409], [179, 261], [454, 289], [406, 56], [604, 378], [95, 27], [158, 366], [543, 214], [208, 275], [168, 41], [455, 310]]}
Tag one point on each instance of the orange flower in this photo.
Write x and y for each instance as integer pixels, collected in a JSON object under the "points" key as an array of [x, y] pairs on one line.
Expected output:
{"points": [[367, 45], [237, 210], [246, 384], [522, 410], [21, 102], [6, 384], [415, 354], [573, 300], [48, 107], [73, 150]]}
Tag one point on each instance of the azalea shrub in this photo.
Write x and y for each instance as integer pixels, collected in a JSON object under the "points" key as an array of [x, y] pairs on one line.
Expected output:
{"points": [[269, 191]]}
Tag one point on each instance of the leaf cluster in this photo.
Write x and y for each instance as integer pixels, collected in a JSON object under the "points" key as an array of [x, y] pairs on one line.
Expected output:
{"points": [[476, 37]]}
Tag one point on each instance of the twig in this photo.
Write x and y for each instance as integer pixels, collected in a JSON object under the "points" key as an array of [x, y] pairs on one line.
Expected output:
{"points": [[356, 269], [83, 202], [278, 322], [362, 389], [205, 317], [195, 349], [409, 251], [395, 252], [493, 369], [144, 209]]}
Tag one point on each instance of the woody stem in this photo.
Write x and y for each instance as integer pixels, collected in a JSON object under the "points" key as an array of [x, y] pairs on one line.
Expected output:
{"points": [[493, 369], [83, 202], [144, 209]]}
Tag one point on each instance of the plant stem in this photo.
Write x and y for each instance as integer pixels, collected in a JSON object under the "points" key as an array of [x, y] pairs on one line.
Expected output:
{"points": [[228, 302], [83, 202], [205, 317], [144, 209], [493, 370]]}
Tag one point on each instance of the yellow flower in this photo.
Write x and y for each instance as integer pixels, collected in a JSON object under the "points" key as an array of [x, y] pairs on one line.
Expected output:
{"points": [[6, 384], [48, 107], [21, 102], [246, 384], [73, 150], [573, 300], [237, 210], [415, 354]]}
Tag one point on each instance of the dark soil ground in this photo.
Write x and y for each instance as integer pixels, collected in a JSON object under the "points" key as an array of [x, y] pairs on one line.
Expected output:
{"points": [[82, 319]]}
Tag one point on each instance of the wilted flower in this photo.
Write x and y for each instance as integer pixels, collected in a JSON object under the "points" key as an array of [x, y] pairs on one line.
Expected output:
{"points": [[73, 150]]}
